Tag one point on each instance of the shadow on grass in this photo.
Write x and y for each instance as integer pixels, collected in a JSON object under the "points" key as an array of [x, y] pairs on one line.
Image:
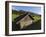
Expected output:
{"points": [[34, 26]]}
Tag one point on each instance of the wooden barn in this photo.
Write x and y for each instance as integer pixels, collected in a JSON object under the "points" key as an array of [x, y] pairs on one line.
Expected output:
{"points": [[24, 20]]}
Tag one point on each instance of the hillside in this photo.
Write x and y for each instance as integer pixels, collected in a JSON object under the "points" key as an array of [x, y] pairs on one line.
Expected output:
{"points": [[16, 13], [35, 25]]}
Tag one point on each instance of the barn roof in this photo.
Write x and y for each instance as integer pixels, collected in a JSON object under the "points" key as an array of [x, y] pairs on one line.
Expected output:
{"points": [[22, 16]]}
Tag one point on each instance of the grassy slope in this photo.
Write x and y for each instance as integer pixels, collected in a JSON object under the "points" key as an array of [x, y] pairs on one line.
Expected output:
{"points": [[35, 25], [16, 14], [36, 18]]}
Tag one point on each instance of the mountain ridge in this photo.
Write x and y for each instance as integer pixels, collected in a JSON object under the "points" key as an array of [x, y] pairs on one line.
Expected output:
{"points": [[23, 12]]}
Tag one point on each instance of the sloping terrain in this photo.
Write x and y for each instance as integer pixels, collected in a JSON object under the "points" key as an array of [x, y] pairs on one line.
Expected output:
{"points": [[35, 25], [16, 14]]}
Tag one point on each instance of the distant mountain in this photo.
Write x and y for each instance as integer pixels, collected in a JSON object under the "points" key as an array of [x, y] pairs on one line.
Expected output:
{"points": [[23, 12]]}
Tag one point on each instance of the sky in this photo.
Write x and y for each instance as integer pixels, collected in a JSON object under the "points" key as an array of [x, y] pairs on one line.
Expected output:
{"points": [[33, 9]]}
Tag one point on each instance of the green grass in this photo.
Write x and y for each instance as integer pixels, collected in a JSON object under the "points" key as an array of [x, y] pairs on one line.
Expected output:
{"points": [[14, 16], [36, 18], [35, 25]]}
